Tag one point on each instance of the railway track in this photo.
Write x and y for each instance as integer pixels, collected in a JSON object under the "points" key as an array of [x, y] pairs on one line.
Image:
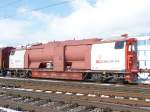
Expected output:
{"points": [[92, 86], [85, 95], [35, 101]]}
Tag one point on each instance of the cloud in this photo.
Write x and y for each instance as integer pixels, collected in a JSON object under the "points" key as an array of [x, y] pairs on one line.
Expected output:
{"points": [[103, 19], [30, 14], [2, 45], [11, 29]]}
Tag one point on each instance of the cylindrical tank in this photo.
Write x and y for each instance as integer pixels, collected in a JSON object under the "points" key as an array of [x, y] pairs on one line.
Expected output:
{"points": [[78, 53], [41, 53]]}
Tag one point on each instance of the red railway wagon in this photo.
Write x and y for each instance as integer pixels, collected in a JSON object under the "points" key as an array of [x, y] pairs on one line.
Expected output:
{"points": [[52, 59], [4, 59], [93, 59]]}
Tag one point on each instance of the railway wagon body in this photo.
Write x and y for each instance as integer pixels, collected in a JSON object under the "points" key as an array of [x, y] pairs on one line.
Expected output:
{"points": [[143, 43], [4, 59], [79, 60]]}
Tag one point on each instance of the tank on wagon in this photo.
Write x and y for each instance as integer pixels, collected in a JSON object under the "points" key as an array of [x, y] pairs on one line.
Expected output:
{"points": [[92, 59]]}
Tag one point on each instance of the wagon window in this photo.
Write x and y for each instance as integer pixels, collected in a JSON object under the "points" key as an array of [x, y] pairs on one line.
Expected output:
{"points": [[12, 52], [119, 45], [148, 42], [141, 42]]}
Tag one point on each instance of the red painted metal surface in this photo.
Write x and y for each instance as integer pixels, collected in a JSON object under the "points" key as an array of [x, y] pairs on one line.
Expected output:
{"points": [[4, 57], [131, 60], [58, 58], [74, 53], [57, 75]]}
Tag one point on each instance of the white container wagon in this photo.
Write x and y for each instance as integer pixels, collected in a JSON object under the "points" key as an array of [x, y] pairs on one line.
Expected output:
{"points": [[143, 52]]}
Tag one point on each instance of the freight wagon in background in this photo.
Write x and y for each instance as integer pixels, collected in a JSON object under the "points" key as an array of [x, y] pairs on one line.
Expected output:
{"points": [[4, 59], [144, 59], [88, 59]]}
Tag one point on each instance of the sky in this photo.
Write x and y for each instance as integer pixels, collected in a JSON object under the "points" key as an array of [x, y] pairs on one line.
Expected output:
{"points": [[21, 24]]}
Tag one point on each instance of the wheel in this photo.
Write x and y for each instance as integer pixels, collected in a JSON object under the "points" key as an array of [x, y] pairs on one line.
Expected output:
{"points": [[97, 78], [29, 74], [4, 73], [1, 73]]}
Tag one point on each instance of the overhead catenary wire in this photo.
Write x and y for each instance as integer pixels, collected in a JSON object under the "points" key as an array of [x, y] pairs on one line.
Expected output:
{"points": [[9, 3], [42, 7], [52, 5]]}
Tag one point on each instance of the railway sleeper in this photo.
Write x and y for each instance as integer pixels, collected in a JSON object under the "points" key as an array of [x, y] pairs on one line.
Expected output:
{"points": [[53, 102]]}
